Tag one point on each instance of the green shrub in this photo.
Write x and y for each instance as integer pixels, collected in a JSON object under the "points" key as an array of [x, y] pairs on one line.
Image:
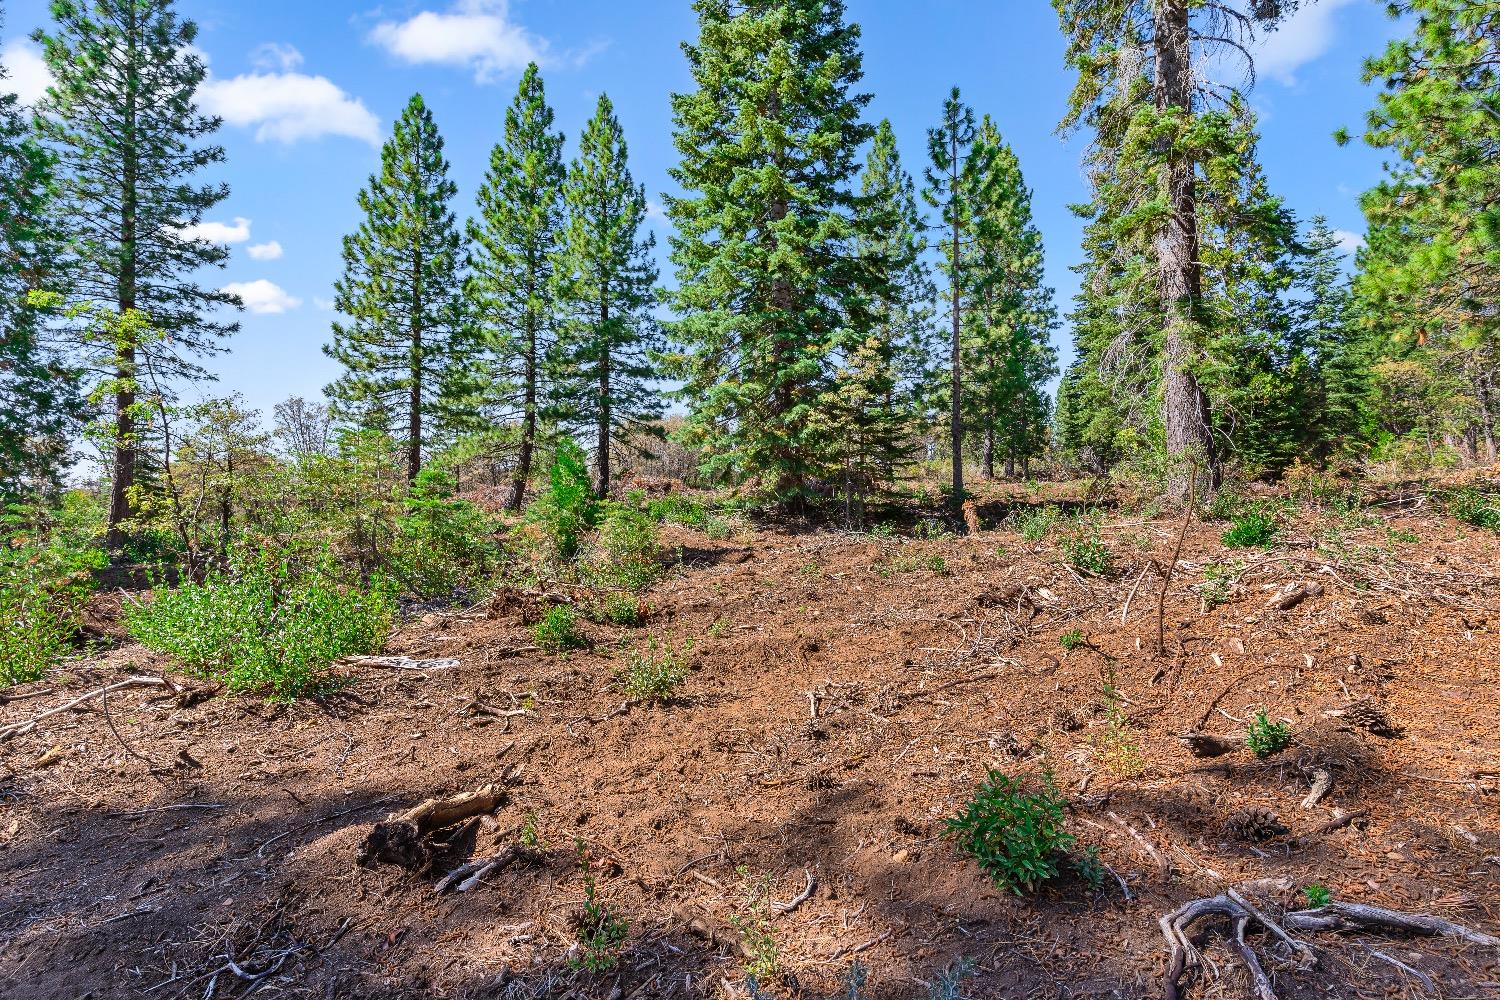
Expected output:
{"points": [[1015, 834], [1265, 737], [444, 547], [1317, 894], [652, 674], [628, 550], [1252, 527], [1475, 507], [678, 509], [567, 509], [1034, 524], [265, 628], [558, 630], [46, 576], [1086, 553], [601, 933], [617, 609], [1072, 640]]}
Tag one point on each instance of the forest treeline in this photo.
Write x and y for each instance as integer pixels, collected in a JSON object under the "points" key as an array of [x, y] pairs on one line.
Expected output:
{"points": [[840, 316]]}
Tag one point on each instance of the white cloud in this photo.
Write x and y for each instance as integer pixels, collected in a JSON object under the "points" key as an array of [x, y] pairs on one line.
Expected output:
{"points": [[27, 74], [325, 305], [276, 56], [262, 296], [1349, 242], [1299, 40], [264, 251], [237, 231], [477, 34], [285, 107]]}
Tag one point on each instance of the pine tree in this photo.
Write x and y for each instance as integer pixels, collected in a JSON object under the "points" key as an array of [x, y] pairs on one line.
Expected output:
{"points": [[404, 346], [956, 175], [1339, 356], [765, 248], [886, 370], [37, 392], [1430, 277], [610, 281], [1008, 344], [122, 121], [1170, 130], [516, 244]]}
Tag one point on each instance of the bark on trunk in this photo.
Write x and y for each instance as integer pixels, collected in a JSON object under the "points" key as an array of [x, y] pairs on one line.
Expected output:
{"points": [[125, 453], [1487, 420], [955, 415], [989, 453], [1185, 405], [602, 462], [528, 424]]}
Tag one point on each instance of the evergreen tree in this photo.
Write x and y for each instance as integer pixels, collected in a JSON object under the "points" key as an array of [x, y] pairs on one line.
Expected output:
{"points": [[516, 245], [37, 392], [956, 176], [1172, 130], [886, 371], [1338, 355], [404, 347], [122, 121], [1430, 277], [1008, 344], [610, 287], [769, 277]]}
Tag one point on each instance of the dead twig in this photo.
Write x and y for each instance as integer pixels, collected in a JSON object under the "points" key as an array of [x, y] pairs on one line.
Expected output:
{"points": [[27, 725], [800, 898]]}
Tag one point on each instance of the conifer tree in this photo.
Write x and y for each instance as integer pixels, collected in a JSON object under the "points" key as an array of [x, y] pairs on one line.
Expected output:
{"points": [[404, 345], [512, 290], [122, 121], [1170, 130], [768, 273], [1339, 355], [886, 370], [956, 176], [609, 283], [37, 392]]}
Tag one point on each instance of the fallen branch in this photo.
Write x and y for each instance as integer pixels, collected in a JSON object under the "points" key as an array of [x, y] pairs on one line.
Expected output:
{"points": [[800, 898], [1166, 577], [1147, 846], [1322, 781], [27, 725], [1287, 599], [400, 662], [1340, 916], [467, 876], [1338, 822], [1209, 745]]}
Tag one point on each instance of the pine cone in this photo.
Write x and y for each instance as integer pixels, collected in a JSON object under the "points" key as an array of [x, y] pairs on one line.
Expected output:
{"points": [[1369, 716], [1254, 823]]}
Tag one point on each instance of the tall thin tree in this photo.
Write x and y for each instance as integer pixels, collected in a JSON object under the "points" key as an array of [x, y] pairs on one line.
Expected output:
{"points": [[122, 119], [404, 344]]}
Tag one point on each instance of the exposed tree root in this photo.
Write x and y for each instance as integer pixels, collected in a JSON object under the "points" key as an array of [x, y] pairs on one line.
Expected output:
{"points": [[1235, 906], [403, 838]]}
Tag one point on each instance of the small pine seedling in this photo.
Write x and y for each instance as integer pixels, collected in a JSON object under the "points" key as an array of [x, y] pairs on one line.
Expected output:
{"points": [[1072, 640], [1266, 737]]}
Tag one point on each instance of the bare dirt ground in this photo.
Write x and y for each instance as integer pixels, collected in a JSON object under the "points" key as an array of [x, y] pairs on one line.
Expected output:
{"points": [[846, 694]]}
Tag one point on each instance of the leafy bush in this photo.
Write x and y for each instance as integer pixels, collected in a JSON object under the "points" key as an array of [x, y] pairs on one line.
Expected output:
{"points": [[678, 509], [46, 575], [1071, 640], [757, 935], [444, 547], [1317, 894], [1034, 524], [1015, 834], [567, 509], [265, 628], [628, 552], [1475, 507], [558, 630], [1087, 553], [615, 608], [1265, 737], [1252, 527], [601, 932], [652, 674]]}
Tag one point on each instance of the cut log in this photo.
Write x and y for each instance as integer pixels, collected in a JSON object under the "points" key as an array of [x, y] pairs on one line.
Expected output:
{"points": [[403, 839], [1289, 598]]}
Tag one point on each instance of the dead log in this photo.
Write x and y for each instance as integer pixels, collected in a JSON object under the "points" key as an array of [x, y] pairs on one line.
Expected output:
{"points": [[403, 839], [1289, 598], [1340, 916], [1322, 781]]}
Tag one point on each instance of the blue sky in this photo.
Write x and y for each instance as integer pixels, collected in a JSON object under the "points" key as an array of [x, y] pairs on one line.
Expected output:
{"points": [[309, 88]]}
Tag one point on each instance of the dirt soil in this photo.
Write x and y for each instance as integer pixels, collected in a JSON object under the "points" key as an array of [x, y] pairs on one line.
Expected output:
{"points": [[846, 693]]}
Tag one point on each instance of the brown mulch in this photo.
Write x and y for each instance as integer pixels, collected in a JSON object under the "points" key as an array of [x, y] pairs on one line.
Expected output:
{"points": [[208, 850]]}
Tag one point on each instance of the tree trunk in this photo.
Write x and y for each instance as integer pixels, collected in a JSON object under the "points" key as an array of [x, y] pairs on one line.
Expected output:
{"points": [[125, 452], [1487, 419], [989, 453], [955, 415], [1185, 409], [528, 423], [1010, 465], [602, 464]]}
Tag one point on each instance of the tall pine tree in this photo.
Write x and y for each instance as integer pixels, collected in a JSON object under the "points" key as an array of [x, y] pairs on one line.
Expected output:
{"points": [[609, 282], [768, 274], [122, 121], [512, 290], [956, 176], [404, 345], [37, 397]]}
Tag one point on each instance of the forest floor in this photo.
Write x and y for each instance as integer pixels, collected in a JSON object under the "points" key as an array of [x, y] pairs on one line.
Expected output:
{"points": [[846, 693]]}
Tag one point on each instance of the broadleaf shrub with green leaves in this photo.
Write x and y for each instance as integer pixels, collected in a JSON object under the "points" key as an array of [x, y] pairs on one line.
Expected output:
{"points": [[1252, 527], [653, 673], [1015, 832], [47, 563], [265, 628], [557, 631], [627, 553], [1477, 507]]}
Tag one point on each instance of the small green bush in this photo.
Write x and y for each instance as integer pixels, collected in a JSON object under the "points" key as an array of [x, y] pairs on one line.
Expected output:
{"points": [[1252, 527], [1087, 553], [601, 933], [1475, 507], [1317, 894], [1015, 834], [558, 630], [617, 609], [46, 576], [1265, 737], [265, 628], [444, 547], [1034, 524], [1071, 640], [652, 674], [567, 509], [678, 509], [628, 551]]}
